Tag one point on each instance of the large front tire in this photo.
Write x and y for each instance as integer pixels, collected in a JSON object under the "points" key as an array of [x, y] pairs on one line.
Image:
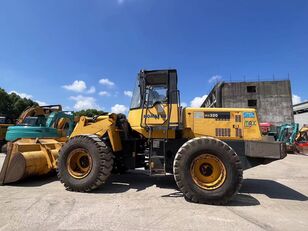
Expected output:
{"points": [[85, 163], [207, 170]]}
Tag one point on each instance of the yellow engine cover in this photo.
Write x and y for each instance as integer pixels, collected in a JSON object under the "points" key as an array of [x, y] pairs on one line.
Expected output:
{"points": [[223, 123]]}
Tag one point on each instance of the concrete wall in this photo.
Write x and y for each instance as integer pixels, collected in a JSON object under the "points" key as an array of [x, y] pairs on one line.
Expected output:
{"points": [[301, 119], [274, 99]]}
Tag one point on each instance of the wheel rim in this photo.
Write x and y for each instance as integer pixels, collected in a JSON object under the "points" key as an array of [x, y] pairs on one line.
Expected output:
{"points": [[79, 163], [208, 172]]}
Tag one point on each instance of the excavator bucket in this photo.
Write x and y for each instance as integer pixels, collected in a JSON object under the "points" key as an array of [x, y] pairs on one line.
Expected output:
{"points": [[29, 157]]}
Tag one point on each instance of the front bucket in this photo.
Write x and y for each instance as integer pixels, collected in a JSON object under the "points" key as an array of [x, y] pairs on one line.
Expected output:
{"points": [[13, 170], [29, 157]]}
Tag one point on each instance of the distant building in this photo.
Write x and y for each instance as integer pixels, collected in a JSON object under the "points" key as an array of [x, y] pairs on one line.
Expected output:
{"points": [[301, 113], [272, 99]]}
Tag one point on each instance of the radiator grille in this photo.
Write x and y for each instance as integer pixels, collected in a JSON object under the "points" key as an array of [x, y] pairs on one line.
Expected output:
{"points": [[238, 118], [223, 132], [238, 132]]}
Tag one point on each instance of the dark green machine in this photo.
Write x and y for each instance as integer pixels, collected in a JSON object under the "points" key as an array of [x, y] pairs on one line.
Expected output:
{"points": [[287, 134], [57, 124]]}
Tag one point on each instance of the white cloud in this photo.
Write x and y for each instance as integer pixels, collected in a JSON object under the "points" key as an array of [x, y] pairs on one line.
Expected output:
{"points": [[106, 82], [197, 101], [128, 93], [76, 86], [91, 90], [22, 95], [85, 102], [296, 99], [183, 104], [27, 96], [215, 79], [104, 93], [67, 108], [119, 108], [41, 103]]}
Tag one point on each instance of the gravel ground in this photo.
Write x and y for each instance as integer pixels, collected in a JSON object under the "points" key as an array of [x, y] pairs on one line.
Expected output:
{"points": [[273, 197]]}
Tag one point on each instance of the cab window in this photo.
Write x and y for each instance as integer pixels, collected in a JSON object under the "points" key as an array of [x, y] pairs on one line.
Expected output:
{"points": [[156, 94], [135, 103]]}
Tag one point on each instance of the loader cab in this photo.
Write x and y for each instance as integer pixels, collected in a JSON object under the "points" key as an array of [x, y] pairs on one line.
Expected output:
{"points": [[155, 101]]}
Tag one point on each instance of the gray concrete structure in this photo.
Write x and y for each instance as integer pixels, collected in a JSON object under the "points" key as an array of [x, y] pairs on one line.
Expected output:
{"points": [[301, 113], [272, 99]]}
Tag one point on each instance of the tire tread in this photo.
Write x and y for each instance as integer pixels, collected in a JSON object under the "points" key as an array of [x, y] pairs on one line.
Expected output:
{"points": [[208, 141], [105, 157]]}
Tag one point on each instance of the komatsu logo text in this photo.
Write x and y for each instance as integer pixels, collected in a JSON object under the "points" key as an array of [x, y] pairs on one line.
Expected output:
{"points": [[154, 116]]}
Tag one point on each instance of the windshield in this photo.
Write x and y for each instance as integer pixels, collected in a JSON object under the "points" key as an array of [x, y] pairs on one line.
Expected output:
{"points": [[135, 103], [156, 94], [32, 121]]}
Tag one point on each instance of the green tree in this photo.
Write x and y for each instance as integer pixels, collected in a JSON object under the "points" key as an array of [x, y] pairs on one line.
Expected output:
{"points": [[12, 105], [90, 112], [5, 103]]}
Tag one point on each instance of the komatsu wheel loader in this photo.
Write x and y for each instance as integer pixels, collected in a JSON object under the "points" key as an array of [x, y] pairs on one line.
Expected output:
{"points": [[206, 149]]}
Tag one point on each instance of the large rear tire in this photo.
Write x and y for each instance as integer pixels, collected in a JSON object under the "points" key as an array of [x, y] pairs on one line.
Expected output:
{"points": [[85, 163], [207, 170]]}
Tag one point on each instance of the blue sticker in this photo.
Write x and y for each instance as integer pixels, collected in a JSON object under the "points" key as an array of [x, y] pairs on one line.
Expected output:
{"points": [[249, 115]]}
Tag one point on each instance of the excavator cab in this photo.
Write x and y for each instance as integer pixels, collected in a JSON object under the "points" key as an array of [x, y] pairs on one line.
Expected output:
{"points": [[155, 105]]}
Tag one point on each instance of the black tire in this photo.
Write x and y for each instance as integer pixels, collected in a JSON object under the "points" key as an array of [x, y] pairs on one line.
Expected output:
{"points": [[102, 162], [4, 149], [219, 149]]}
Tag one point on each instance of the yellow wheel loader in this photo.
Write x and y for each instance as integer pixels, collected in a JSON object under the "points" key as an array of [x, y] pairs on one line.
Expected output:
{"points": [[206, 149]]}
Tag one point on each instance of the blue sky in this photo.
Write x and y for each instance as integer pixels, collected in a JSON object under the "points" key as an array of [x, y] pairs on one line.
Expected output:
{"points": [[87, 53]]}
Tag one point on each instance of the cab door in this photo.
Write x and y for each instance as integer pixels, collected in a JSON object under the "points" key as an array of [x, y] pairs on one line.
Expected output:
{"points": [[158, 110]]}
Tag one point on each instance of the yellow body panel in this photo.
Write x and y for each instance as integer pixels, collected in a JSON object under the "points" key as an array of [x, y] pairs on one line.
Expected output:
{"points": [[156, 116], [303, 130], [99, 127], [222, 123]]}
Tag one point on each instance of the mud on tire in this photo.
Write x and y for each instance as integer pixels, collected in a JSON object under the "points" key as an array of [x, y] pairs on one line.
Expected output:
{"points": [[219, 150], [101, 163]]}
